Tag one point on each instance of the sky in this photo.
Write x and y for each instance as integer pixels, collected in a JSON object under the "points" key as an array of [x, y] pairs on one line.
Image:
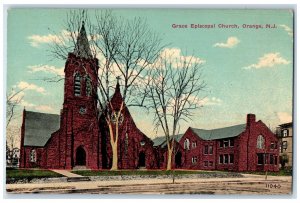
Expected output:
{"points": [[247, 70]]}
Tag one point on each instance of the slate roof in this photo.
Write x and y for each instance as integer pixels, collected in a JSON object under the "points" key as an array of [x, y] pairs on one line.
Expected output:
{"points": [[161, 140], [39, 127], [220, 133]]}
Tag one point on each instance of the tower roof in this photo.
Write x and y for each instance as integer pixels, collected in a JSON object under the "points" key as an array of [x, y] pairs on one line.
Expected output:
{"points": [[82, 47], [117, 98]]}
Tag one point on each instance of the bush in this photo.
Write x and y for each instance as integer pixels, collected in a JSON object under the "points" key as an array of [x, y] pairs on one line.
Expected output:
{"points": [[283, 159]]}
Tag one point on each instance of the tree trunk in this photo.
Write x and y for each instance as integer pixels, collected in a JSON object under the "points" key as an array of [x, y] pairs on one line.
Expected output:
{"points": [[114, 165], [114, 139], [114, 147], [169, 163]]}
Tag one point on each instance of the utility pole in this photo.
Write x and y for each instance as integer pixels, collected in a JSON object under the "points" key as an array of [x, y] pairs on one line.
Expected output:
{"points": [[266, 169]]}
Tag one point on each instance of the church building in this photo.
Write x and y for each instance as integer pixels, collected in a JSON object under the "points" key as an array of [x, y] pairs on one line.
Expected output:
{"points": [[79, 137]]}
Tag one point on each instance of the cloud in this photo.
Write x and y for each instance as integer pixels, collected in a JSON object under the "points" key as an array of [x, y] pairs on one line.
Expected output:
{"points": [[26, 86], [44, 108], [21, 102], [287, 29], [210, 101], [203, 102], [176, 54], [230, 43], [62, 38], [284, 117], [26, 104], [19, 98], [47, 68], [175, 57], [36, 40], [268, 60]]}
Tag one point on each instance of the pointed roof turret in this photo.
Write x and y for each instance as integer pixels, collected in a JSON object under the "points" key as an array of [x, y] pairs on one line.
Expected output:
{"points": [[117, 98], [118, 85], [82, 47]]}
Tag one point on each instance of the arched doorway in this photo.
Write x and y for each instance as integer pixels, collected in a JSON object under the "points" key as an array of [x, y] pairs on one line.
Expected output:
{"points": [[142, 162], [80, 156], [178, 159]]}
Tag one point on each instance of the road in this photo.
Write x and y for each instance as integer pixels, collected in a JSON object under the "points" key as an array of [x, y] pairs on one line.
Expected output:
{"points": [[247, 185]]}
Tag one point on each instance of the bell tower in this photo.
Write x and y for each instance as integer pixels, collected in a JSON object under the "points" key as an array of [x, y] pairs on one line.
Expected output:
{"points": [[81, 71], [79, 113]]}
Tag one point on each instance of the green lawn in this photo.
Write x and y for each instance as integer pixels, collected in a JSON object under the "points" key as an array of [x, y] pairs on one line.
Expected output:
{"points": [[135, 172], [279, 173], [30, 173]]}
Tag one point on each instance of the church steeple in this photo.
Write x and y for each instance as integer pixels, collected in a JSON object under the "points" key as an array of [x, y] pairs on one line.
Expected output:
{"points": [[82, 47]]}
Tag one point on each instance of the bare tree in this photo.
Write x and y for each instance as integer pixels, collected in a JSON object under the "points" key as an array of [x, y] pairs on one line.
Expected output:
{"points": [[13, 100], [130, 46], [174, 94], [125, 48], [12, 137]]}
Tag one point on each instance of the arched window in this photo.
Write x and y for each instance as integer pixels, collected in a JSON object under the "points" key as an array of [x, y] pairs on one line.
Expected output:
{"points": [[33, 155], [88, 86], [77, 84], [186, 144], [260, 142]]}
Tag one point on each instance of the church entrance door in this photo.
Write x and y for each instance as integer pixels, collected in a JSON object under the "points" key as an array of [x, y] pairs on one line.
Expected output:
{"points": [[80, 156], [178, 159], [142, 162]]}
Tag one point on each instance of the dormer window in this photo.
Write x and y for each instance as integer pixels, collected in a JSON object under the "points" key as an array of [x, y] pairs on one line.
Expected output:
{"points": [[77, 85], [285, 132], [88, 86]]}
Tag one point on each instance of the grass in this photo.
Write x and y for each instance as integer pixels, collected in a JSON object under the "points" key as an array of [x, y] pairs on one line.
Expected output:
{"points": [[30, 174], [134, 172], [281, 172]]}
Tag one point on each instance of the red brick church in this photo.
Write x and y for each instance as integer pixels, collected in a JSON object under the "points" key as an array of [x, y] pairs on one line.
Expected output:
{"points": [[79, 138]]}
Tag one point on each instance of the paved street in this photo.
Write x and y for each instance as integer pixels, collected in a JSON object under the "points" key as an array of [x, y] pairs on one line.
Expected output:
{"points": [[249, 184]]}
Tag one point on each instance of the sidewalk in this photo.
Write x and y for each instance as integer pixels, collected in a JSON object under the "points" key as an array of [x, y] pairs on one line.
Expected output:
{"points": [[251, 180], [67, 173]]}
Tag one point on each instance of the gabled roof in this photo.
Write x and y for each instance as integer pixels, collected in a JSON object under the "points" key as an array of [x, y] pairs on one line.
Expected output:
{"points": [[82, 47], [220, 133], [161, 140], [39, 127], [286, 125]]}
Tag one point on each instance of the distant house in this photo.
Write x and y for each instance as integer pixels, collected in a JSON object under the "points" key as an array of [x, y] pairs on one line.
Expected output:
{"points": [[285, 134], [12, 157]]}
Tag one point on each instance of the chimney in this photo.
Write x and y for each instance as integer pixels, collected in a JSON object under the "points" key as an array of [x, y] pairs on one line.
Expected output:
{"points": [[250, 119]]}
